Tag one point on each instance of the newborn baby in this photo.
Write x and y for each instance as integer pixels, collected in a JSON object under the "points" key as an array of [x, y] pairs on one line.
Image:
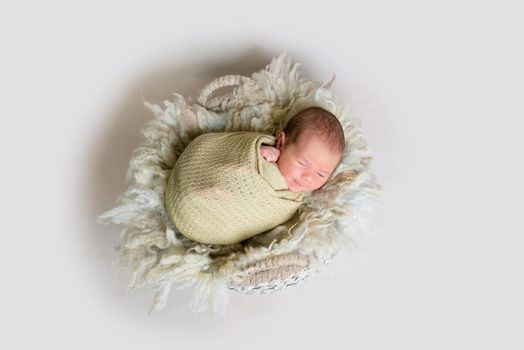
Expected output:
{"points": [[308, 150], [227, 187]]}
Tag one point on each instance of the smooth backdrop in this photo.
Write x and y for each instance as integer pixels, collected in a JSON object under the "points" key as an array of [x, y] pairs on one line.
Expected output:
{"points": [[438, 86]]}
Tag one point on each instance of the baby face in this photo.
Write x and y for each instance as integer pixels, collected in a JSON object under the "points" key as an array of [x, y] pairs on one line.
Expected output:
{"points": [[307, 163]]}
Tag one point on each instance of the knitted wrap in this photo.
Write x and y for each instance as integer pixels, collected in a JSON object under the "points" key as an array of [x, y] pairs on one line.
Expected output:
{"points": [[331, 218], [222, 191]]}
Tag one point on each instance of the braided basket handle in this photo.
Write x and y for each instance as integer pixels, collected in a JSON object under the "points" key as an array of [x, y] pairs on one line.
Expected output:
{"points": [[227, 80], [274, 269]]}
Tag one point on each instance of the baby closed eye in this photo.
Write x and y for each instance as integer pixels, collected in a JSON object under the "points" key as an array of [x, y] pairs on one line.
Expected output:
{"points": [[303, 165]]}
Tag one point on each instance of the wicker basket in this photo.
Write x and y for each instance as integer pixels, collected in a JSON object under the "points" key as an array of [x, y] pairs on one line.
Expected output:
{"points": [[267, 263]]}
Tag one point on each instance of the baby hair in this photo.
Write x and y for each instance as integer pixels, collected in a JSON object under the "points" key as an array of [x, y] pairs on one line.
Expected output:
{"points": [[319, 121]]}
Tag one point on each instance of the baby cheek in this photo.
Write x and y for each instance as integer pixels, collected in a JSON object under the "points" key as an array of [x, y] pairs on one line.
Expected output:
{"points": [[284, 167], [288, 171], [293, 171]]}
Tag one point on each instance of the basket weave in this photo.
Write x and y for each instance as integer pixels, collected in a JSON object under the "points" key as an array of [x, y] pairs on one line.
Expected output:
{"points": [[160, 256]]}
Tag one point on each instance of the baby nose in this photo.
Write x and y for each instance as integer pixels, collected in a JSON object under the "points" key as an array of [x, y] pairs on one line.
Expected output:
{"points": [[306, 177]]}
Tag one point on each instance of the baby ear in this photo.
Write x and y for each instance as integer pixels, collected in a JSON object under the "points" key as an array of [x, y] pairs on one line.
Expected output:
{"points": [[281, 140]]}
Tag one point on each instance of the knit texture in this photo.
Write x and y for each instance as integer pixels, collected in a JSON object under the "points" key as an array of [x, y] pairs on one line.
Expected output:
{"points": [[222, 191]]}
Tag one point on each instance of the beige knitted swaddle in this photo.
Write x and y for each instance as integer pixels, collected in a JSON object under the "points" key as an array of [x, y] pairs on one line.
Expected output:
{"points": [[222, 191]]}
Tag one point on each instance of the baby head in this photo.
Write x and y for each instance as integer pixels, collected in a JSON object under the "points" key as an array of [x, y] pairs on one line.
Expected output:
{"points": [[311, 146]]}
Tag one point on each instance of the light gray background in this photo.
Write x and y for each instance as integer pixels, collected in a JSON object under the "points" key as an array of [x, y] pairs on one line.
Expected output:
{"points": [[438, 86]]}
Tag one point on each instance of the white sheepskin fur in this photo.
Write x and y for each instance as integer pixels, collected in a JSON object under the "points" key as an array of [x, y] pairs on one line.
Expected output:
{"points": [[161, 257]]}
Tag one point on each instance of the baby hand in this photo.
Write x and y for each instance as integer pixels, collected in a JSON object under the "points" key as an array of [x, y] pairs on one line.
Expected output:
{"points": [[269, 153]]}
